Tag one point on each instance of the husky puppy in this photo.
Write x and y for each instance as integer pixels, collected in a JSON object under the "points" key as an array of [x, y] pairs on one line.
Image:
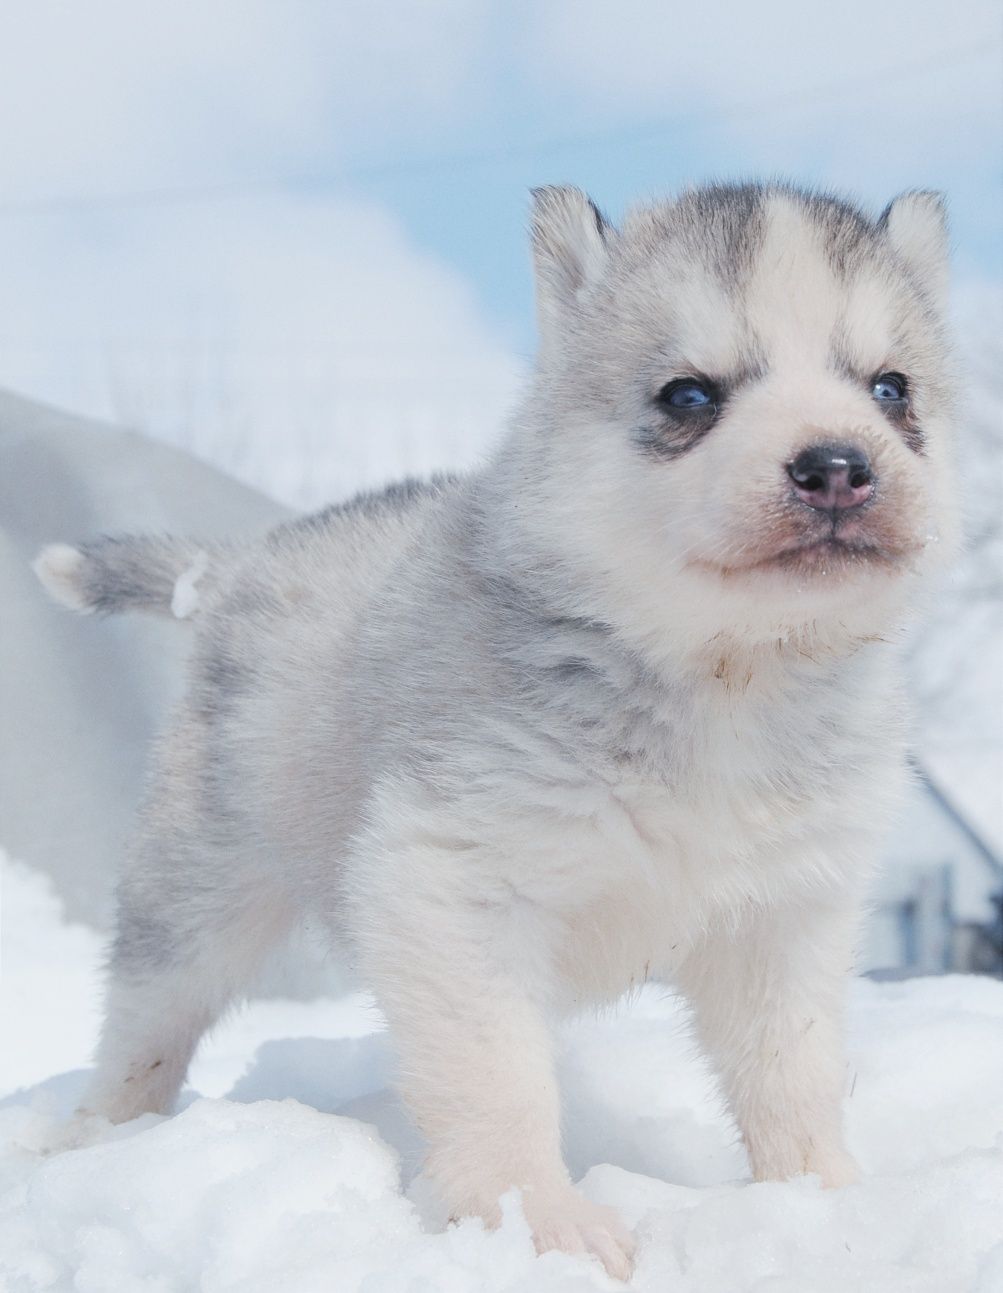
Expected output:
{"points": [[620, 704]]}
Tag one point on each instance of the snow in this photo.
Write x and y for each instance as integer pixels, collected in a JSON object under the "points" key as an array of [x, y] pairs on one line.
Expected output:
{"points": [[50, 986], [291, 1165]]}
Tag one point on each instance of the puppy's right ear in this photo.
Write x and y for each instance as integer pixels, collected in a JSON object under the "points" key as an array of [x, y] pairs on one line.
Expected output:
{"points": [[570, 248], [916, 226]]}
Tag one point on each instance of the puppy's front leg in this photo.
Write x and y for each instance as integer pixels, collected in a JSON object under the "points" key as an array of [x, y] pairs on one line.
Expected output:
{"points": [[768, 999], [476, 1061]]}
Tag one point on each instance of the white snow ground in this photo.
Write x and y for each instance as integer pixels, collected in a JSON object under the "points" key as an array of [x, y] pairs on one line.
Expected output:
{"points": [[293, 1169]]}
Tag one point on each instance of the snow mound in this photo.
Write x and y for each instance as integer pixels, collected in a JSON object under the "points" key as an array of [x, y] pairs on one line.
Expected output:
{"points": [[274, 1195], [50, 1001], [305, 1176]]}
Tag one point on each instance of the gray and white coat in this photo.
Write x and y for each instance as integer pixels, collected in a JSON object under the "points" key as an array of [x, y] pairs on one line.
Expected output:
{"points": [[625, 703]]}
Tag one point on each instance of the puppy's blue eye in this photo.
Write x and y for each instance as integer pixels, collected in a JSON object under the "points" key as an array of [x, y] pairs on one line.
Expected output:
{"points": [[889, 388], [686, 395]]}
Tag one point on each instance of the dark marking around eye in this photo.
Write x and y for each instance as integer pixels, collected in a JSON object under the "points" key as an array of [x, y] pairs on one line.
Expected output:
{"points": [[891, 392], [665, 443], [912, 432], [685, 409], [881, 386]]}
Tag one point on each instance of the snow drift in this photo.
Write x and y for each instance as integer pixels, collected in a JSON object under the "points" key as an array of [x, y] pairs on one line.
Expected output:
{"points": [[298, 1172]]}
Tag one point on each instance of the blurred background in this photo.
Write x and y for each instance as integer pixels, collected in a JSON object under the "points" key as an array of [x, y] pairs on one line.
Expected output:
{"points": [[281, 247]]}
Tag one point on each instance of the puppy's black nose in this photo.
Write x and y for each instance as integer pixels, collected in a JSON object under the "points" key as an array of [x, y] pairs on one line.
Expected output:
{"points": [[832, 477]]}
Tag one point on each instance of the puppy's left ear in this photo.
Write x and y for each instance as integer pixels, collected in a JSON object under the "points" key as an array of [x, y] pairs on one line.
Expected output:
{"points": [[571, 240], [916, 227]]}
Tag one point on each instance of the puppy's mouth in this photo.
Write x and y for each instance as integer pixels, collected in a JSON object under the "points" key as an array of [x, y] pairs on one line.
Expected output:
{"points": [[826, 554], [832, 554]]}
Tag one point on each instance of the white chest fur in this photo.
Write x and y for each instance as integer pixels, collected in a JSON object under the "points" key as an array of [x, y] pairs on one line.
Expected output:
{"points": [[766, 804]]}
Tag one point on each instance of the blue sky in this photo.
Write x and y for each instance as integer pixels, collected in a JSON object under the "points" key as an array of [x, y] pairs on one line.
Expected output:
{"points": [[472, 211], [277, 206], [919, 106]]}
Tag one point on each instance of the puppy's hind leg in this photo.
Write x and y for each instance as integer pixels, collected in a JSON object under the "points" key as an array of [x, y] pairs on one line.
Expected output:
{"points": [[178, 961]]}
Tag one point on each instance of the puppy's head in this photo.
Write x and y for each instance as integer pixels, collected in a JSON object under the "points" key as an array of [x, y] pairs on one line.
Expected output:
{"points": [[742, 408]]}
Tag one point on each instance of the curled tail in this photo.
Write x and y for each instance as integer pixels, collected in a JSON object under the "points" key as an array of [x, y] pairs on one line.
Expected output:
{"points": [[124, 573]]}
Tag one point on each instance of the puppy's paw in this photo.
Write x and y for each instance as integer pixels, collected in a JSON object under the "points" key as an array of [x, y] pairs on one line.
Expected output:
{"points": [[573, 1224], [836, 1168], [46, 1135]]}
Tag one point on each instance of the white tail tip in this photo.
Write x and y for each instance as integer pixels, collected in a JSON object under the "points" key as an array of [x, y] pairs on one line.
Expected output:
{"points": [[185, 601], [59, 569]]}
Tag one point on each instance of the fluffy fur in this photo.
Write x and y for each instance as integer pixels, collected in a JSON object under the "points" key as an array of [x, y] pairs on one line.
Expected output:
{"points": [[617, 706]]}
